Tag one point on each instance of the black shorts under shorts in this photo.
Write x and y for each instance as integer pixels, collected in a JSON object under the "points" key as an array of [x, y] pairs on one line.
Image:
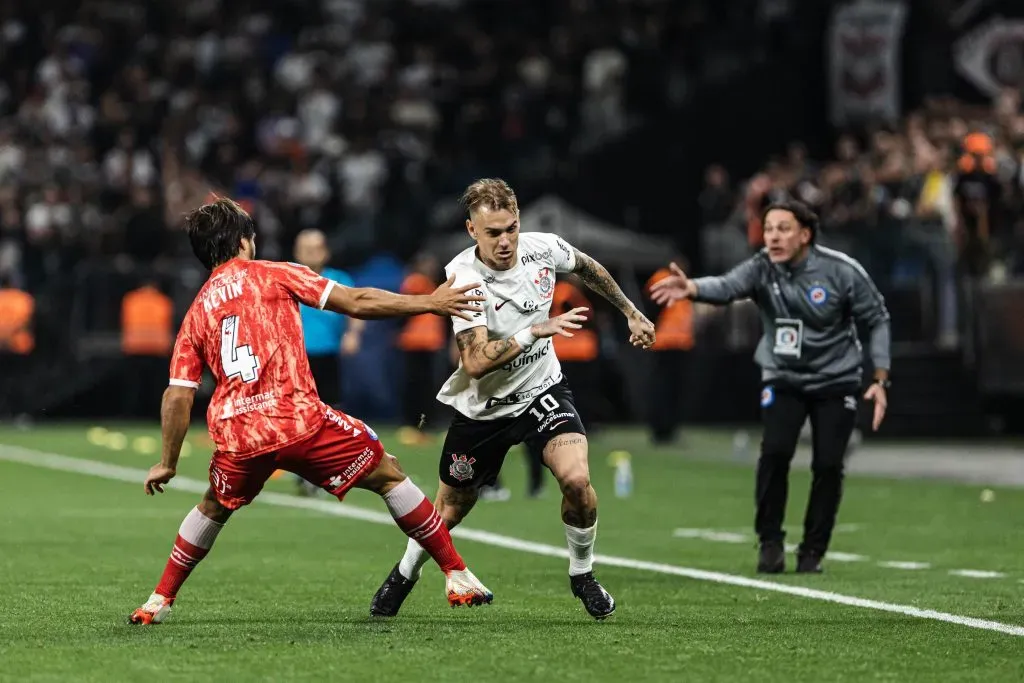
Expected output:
{"points": [[475, 449]]}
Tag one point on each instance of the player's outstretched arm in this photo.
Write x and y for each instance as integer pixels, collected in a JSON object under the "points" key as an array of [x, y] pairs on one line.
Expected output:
{"points": [[597, 278], [175, 414], [368, 303]]}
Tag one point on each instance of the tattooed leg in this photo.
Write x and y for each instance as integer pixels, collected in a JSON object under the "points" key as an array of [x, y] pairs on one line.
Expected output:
{"points": [[566, 457], [454, 504]]}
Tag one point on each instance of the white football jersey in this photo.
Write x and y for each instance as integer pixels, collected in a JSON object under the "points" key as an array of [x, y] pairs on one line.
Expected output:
{"points": [[515, 298]]}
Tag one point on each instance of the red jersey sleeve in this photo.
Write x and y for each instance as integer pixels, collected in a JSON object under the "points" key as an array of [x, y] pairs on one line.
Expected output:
{"points": [[301, 283], [186, 361]]}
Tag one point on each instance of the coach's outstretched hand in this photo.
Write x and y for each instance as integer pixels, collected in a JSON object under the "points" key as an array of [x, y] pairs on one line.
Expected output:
{"points": [[455, 301], [571, 320], [157, 477], [675, 287]]}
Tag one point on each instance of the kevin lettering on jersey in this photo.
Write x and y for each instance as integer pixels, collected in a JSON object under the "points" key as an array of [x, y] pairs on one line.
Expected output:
{"points": [[226, 288]]}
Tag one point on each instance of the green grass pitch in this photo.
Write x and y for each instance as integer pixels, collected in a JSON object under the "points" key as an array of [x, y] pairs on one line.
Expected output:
{"points": [[284, 594]]}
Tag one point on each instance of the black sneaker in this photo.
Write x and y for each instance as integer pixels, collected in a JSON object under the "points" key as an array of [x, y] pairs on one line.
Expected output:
{"points": [[808, 562], [389, 597], [772, 559], [596, 600]]}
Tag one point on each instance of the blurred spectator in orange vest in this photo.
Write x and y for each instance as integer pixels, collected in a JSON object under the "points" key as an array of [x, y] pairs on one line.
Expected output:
{"points": [[421, 340], [147, 334], [147, 322], [16, 310], [674, 330], [977, 189]]}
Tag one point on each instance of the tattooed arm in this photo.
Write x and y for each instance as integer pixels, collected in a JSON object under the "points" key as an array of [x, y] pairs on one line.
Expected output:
{"points": [[480, 356], [596, 277]]}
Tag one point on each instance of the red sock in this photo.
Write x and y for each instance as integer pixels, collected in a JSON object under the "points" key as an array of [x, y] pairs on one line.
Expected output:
{"points": [[184, 558], [195, 538], [418, 518]]}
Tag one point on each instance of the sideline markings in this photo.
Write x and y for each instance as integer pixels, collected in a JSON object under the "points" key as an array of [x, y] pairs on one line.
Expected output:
{"points": [[63, 463]]}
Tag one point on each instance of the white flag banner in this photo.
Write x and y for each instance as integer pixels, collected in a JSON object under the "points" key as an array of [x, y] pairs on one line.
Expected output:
{"points": [[991, 56], [864, 61]]}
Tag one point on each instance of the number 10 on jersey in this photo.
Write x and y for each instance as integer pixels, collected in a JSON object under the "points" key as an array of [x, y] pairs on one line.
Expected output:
{"points": [[549, 403], [238, 361]]}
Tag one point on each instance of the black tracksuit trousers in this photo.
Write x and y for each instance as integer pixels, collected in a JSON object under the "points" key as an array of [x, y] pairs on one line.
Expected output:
{"points": [[833, 414]]}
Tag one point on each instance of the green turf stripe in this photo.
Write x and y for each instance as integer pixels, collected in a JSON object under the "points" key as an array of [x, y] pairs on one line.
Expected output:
{"points": [[63, 463]]}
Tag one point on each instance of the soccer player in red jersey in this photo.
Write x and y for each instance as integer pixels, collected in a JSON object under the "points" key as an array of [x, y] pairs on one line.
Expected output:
{"points": [[265, 414]]}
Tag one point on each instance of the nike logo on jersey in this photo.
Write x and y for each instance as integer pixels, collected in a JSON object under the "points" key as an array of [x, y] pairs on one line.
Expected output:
{"points": [[498, 305]]}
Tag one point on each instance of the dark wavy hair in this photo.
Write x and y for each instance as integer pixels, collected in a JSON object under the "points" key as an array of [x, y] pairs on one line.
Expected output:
{"points": [[216, 231]]}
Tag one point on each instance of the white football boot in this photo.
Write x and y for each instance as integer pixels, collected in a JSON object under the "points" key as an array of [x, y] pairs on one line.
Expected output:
{"points": [[465, 589], [156, 609]]}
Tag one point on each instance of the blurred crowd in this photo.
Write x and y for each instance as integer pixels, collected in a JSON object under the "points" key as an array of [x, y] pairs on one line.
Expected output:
{"points": [[364, 119], [351, 116], [938, 197]]}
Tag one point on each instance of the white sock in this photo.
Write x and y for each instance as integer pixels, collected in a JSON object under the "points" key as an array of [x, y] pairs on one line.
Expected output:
{"points": [[412, 562], [402, 500], [199, 530], [581, 549]]}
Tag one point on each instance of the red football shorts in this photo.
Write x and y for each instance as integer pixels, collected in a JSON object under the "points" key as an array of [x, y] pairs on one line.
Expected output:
{"points": [[335, 458]]}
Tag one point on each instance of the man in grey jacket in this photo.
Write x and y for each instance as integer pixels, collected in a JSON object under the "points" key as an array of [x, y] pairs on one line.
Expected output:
{"points": [[811, 299]]}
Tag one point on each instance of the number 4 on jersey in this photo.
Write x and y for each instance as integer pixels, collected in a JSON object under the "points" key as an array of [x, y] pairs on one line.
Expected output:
{"points": [[238, 361]]}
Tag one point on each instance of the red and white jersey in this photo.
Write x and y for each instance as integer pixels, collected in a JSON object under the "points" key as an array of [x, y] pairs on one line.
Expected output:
{"points": [[244, 325]]}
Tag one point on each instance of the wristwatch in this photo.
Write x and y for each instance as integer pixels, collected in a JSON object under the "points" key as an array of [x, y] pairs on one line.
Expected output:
{"points": [[885, 383]]}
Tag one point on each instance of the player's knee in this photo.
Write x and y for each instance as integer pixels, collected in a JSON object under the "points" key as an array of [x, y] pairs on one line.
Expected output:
{"points": [[576, 485], [212, 508], [387, 475], [390, 463]]}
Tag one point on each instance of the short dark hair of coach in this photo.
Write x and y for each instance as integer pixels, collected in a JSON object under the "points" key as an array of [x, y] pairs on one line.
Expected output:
{"points": [[805, 218]]}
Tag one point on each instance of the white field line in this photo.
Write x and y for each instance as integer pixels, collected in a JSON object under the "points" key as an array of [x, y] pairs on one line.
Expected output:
{"points": [[135, 476], [977, 573], [716, 536], [732, 537], [905, 565]]}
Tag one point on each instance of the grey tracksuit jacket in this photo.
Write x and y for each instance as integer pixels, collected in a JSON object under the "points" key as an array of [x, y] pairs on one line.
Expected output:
{"points": [[809, 313]]}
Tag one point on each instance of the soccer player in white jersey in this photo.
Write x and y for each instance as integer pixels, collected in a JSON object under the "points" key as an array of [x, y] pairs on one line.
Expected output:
{"points": [[509, 389]]}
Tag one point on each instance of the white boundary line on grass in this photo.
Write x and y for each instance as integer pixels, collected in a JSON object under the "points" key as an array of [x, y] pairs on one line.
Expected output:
{"points": [[136, 476]]}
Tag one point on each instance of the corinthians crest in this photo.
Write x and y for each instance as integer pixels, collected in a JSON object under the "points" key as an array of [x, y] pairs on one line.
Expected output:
{"points": [[545, 282], [461, 468]]}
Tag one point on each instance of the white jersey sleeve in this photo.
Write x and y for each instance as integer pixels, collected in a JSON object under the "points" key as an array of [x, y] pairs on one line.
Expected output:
{"points": [[464, 276], [563, 256]]}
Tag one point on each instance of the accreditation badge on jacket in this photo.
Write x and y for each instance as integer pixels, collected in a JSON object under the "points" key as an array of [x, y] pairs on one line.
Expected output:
{"points": [[789, 337]]}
